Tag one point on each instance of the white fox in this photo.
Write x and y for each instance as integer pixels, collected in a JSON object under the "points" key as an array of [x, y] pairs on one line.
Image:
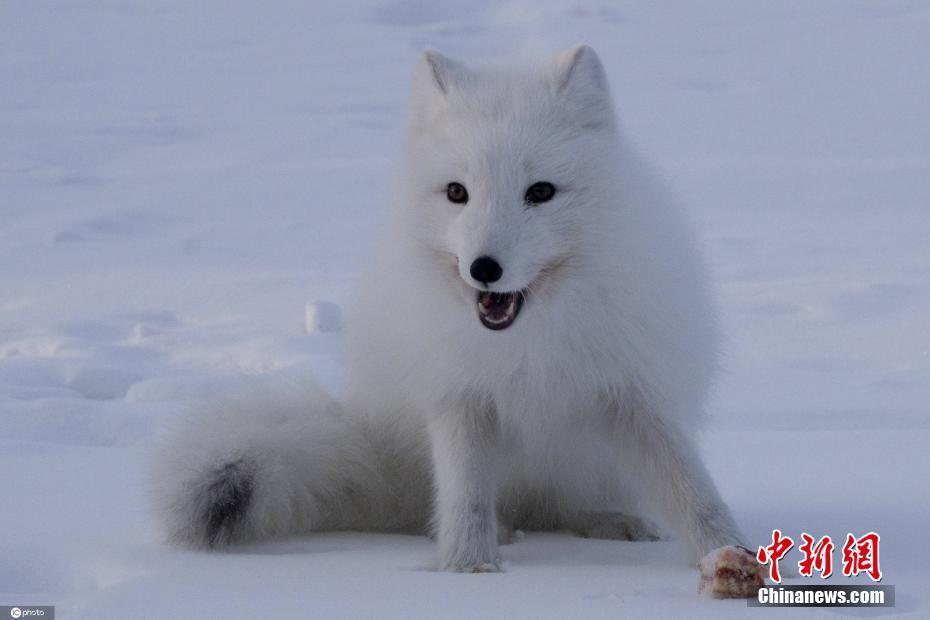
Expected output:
{"points": [[531, 350]]}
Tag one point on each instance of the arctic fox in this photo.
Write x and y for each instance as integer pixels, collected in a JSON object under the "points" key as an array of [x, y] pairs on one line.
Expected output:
{"points": [[531, 349]]}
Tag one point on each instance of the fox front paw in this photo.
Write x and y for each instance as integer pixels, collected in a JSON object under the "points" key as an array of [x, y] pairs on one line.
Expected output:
{"points": [[487, 567], [730, 572], [472, 563]]}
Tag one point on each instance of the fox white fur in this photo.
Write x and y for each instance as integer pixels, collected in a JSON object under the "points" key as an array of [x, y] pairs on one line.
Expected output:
{"points": [[587, 403]]}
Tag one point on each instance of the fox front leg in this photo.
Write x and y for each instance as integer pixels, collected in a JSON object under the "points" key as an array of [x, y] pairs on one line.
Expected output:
{"points": [[465, 444], [676, 479]]}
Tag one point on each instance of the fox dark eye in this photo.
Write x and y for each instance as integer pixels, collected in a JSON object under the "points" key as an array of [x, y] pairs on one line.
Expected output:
{"points": [[456, 193], [539, 192]]}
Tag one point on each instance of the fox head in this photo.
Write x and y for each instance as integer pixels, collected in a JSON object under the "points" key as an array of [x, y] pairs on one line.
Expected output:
{"points": [[506, 174]]}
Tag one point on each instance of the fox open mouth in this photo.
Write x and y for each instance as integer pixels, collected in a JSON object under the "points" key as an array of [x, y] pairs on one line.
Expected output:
{"points": [[499, 310]]}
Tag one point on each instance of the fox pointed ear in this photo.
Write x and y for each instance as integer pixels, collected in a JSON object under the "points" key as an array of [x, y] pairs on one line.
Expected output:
{"points": [[435, 82], [578, 77], [439, 73], [579, 67]]}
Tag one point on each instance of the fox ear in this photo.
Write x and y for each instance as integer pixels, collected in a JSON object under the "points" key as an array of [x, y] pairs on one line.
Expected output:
{"points": [[435, 81], [578, 77], [579, 67], [436, 72]]}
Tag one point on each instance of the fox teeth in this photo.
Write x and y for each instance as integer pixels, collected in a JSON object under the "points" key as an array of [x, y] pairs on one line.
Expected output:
{"points": [[485, 310], [492, 311], [503, 319]]}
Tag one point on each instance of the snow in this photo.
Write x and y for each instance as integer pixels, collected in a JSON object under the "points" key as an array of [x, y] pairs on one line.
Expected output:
{"points": [[323, 316], [178, 181]]}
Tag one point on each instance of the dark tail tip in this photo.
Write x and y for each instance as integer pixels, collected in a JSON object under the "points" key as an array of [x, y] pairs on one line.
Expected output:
{"points": [[229, 495]]}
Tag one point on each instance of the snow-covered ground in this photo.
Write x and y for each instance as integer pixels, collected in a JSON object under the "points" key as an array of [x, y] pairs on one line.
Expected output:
{"points": [[178, 179]]}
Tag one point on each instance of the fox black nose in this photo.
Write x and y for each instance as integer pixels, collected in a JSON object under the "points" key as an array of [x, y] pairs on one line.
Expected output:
{"points": [[485, 269]]}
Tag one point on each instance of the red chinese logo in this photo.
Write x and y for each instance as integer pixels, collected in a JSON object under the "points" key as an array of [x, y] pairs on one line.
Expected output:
{"points": [[817, 557], [860, 555], [773, 553]]}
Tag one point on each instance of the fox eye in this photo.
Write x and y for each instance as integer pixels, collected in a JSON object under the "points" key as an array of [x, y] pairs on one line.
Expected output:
{"points": [[539, 192], [456, 193]]}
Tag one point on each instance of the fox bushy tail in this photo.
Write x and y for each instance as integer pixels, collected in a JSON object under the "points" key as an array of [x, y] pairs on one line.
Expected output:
{"points": [[266, 465]]}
